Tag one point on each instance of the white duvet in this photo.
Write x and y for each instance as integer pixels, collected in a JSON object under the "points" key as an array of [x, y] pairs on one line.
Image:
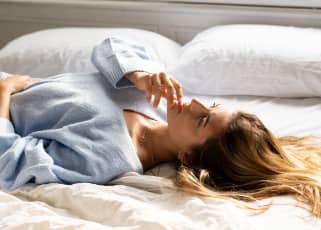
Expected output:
{"points": [[136, 201]]}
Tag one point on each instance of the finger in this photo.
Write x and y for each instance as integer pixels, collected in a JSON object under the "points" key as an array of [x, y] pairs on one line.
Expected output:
{"points": [[169, 88], [148, 84], [164, 93], [179, 89], [157, 84]]}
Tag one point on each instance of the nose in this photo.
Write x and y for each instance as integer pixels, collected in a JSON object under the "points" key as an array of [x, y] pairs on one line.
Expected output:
{"points": [[196, 104]]}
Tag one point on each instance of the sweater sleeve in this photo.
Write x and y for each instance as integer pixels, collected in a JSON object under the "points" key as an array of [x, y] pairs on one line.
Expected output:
{"points": [[11, 145], [20, 161], [61, 156], [29, 159], [6, 126], [26, 159], [7, 135], [115, 57]]}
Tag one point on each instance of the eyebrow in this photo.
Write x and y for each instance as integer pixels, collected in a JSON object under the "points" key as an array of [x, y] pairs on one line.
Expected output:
{"points": [[215, 105], [209, 117]]}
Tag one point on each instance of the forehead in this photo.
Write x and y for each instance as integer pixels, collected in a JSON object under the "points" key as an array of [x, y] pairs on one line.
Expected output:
{"points": [[219, 116]]}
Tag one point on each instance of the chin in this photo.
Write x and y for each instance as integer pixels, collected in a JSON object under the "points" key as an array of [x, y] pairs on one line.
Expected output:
{"points": [[171, 113]]}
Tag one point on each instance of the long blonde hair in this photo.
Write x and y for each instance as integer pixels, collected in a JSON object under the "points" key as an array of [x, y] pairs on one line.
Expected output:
{"points": [[247, 162]]}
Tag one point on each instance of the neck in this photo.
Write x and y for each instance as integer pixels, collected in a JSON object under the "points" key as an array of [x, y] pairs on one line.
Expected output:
{"points": [[159, 147]]}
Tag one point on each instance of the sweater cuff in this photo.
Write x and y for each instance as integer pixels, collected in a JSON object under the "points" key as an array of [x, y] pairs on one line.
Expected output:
{"points": [[6, 126], [115, 58], [119, 65], [128, 65]]}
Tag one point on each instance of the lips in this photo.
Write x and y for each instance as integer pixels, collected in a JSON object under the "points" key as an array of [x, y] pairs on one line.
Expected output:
{"points": [[186, 104], [181, 108], [178, 108]]}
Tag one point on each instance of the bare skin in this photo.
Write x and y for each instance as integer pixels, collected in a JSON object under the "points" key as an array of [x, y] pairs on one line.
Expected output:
{"points": [[174, 140], [10, 86], [188, 124]]}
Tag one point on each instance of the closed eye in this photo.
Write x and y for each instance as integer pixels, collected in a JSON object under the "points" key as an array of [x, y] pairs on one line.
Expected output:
{"points": [[201, 120]]}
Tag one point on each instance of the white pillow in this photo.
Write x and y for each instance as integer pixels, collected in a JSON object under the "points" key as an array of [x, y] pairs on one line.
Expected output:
{"points": [[262, 60], [54, 51]]}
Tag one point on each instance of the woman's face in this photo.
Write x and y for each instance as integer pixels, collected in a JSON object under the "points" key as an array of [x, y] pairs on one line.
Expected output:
{"points": [[195, 123]]}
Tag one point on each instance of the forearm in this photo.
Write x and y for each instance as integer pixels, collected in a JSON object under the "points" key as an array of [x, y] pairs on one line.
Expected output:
{"points": [[4, 103]]}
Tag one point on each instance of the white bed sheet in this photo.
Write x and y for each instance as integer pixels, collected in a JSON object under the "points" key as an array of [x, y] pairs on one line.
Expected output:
{"points": [[136, 202]]}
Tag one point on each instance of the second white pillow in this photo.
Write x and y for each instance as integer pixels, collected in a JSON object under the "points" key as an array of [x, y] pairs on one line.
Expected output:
{"points": [[262, 60]]}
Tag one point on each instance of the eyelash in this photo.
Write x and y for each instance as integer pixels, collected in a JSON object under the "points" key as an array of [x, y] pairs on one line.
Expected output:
{"points": [[201, 119]]}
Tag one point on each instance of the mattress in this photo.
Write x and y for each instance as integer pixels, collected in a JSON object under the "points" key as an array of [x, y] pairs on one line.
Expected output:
{"points": [[150, 201]]}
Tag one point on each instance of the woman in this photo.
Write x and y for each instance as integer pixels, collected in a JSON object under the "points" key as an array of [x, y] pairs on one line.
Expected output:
{"points": [[70, 128]]}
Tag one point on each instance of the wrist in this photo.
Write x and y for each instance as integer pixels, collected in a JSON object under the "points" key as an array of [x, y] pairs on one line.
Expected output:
{"points": [[133, 76]]}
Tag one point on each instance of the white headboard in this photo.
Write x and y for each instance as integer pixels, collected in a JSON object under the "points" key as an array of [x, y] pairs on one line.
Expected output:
{"points": [[178, 21]]}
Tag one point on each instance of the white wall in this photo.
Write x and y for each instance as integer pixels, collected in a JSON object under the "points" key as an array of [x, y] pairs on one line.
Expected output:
{"points": [[177, 21]]}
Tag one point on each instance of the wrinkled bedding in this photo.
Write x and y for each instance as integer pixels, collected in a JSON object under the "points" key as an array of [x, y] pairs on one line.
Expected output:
{"points": [[89, 206]]}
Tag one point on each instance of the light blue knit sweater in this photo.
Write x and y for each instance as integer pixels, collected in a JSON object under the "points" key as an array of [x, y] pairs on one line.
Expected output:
{"points": [[70, 128]]}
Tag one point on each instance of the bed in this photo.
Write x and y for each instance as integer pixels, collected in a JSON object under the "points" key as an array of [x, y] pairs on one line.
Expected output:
{"points": [[147, 201], [150, 202]]}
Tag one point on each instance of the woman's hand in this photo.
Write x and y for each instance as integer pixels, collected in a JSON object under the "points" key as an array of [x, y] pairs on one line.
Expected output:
{"points": [[157, 84], [14, 84], [8, 86]]}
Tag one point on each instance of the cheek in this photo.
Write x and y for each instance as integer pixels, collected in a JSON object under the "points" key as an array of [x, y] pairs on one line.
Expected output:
{"points": [[188, 129], [183, 134], [181, 123], [184, 128]]}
